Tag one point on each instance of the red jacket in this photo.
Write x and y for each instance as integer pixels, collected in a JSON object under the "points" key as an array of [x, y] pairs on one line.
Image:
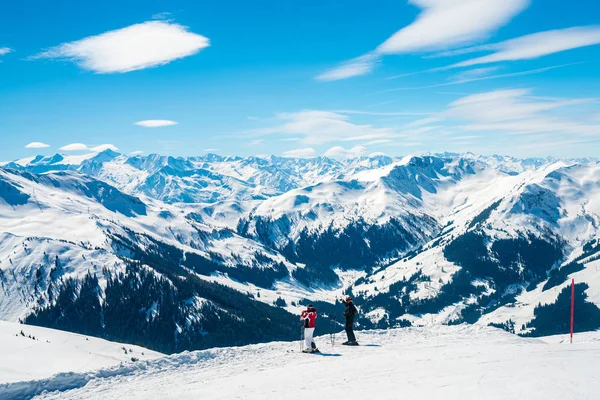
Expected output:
{"points": [[309, 317]]}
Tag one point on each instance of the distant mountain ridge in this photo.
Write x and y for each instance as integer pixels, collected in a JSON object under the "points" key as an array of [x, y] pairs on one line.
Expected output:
{"points": [[442, 238]]}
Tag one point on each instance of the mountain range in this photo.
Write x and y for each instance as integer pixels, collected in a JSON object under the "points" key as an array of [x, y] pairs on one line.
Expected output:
{"points": [[190, 253]]}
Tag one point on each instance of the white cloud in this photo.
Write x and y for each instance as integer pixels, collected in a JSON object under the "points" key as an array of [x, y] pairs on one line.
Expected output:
{"points": [[359, 66], [378, 141], [256, 142], [5, 50], [463, 137], [155, 123], [423, 122], [74, 147], [383, 114], [37, 145], [83, 147], [516, 112], [318, 127], [163, 16], [211, 150], [441, 25], [300, 153], [340, 152], [483, 78], [382, 103], [448, 23], [504, 105], [475, 73], [136, 153], [536, 45], [410, 144], [135, 47], [104, 147]]}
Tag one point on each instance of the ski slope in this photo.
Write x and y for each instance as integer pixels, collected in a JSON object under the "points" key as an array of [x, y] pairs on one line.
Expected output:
{"points": [[449, 362], [48, 352]]}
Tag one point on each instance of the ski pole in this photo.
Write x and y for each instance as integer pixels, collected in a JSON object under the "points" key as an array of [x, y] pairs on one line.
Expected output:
{"points": [[331, 330], [334, 324], [301, 336]]}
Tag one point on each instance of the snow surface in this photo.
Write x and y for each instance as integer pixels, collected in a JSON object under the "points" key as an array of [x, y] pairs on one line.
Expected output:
{"points": [[449, 362], [52, 352]]}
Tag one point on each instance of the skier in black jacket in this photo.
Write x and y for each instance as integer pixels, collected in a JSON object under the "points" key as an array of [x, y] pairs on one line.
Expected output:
{"points": [[350, 313]]}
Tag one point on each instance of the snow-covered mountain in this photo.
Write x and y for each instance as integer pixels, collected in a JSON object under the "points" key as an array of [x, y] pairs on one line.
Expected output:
{"points": [[183, 245]]}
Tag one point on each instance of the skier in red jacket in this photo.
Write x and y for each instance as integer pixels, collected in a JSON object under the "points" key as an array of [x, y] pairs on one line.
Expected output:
{"points": [[309, 317]]}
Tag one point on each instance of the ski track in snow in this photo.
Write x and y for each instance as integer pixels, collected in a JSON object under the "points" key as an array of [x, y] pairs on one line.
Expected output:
{"points": [[450, 362]]}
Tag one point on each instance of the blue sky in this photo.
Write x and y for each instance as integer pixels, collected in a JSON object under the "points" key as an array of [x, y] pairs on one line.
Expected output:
{"points": [[306, 78]]}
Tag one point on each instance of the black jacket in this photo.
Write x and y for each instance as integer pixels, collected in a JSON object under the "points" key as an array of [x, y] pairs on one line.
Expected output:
{"points": [[350, 312]]}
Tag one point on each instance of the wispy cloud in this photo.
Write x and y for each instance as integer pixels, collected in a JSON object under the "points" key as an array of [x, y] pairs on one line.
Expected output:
{"points": [[515, 112], [484, 78], [37, 145], [504, 105], [340, 152], [136, 153], [358, 66], [155, 123], [300, 153], [475, 73], [318, 127], [378, 141], [256, 142], [536, 45], [546, 145], [422, 122], [442, 24], [104, 147], [84, 147], [383, 114], [448, 23], [464, 137], [135, 47], [74, 147], [164, 16], [5, 50], [382, 103]]}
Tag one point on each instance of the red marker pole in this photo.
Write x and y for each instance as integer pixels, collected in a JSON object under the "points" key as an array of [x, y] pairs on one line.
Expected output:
{"points": [[572, 308]]}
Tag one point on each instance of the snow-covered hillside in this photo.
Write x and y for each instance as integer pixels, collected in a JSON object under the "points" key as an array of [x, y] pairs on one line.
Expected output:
{"points": [[34, 353], [460, 362], [417, 240], [70, 241]]}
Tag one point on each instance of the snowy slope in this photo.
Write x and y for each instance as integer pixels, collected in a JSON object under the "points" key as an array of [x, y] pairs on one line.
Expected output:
{"points": [[74, 218], [68, 238], [32, 353], [460, 362]]}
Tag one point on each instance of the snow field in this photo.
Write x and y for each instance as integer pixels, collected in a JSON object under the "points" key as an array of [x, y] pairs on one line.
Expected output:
{"points": [[449, 362], [51, 352]]}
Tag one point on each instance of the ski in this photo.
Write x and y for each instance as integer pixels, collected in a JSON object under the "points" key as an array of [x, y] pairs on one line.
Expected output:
{"points": [[311, 351]]}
